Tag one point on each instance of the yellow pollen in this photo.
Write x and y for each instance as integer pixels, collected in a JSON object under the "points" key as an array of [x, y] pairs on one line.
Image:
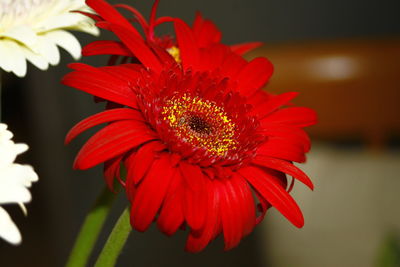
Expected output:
{"points": [[175, 53], [201, 123]]}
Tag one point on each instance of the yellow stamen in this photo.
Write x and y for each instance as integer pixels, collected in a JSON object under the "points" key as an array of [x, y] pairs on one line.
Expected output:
{"points": [[175, 53], [201, 123]]}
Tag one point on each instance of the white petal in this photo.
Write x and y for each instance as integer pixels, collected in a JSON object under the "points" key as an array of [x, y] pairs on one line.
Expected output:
{"points": [[9, 150], [12, 58], [14, 183], [14, 194], [23, 175], [8, 230], [7, 154], [48, 50], [28, 175], [70, 20], [22, 34], [67, 41], [15, 179], [5, 62], [20, 148], [36, 59], [23, 208], [4, 133], [88, 28]]}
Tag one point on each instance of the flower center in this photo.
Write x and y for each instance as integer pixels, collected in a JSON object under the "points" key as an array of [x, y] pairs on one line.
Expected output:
{"points": [[18, 12], [175, 53], [201, 123], [20, 7]]}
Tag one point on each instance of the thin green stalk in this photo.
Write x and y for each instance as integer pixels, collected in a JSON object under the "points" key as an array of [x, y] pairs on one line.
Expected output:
{"points": [[90, 230], [115, 242]]}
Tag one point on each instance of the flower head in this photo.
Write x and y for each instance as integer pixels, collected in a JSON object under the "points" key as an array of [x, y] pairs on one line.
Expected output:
{"points": [[198, 137], [32, 29], [15, 179]]}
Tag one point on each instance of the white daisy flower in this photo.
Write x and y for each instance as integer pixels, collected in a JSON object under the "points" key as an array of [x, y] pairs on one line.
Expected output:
{"points": [[32, 29], [15, 179]]}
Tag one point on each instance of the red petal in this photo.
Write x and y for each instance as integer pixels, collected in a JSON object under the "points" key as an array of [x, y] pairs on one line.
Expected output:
{"points": [[143, 160], [255, 75], [285, 167], [242, 49], [171, 215], [130, 187], [213, 57], [283, 147], [189, 50], [138, 48], [88, 14], [259, 98], [103, 117], [103, 25], [103, 85], [197, 242], [151, 192], [205, 32], [296, 116], [109, 13], [272, 190], [152, 20], [106, 47], [125, 72], [161, 20], [245, 198], [294, 134], [262, 206], [112, 170], [273, 103], [231, 214], [112, 141], [139, 17], [232, 65], [198, 22], [82, 67], [194, 178], [195, 195], [163, 55]]}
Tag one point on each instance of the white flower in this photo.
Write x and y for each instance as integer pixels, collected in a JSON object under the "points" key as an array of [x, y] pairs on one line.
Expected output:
{"points": [[32, 29], [15, 179]]}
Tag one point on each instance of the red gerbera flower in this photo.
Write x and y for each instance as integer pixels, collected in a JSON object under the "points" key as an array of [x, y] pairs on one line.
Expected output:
{"points": [[197, 138]]}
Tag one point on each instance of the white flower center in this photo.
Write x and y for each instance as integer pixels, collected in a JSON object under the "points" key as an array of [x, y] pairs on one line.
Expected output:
{"points": [[20, 12], [20, 8]]}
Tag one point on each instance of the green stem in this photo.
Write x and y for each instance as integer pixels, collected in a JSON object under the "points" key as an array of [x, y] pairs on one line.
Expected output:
{"points": [[115, 242], [90, 230]]}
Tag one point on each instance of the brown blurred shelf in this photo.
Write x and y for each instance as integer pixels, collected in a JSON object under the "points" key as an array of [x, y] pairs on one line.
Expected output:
{"points": [[353, 84]]}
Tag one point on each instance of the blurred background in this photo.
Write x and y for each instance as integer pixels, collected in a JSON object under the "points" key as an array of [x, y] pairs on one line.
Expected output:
{"points": [[344, 58]]}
